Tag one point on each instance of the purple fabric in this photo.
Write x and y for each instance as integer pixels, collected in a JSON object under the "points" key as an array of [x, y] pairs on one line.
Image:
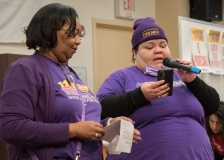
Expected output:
{"points": [[18, 99], [171, 127], [146, 29], [29, 103], [32, 155], [69, 108]]}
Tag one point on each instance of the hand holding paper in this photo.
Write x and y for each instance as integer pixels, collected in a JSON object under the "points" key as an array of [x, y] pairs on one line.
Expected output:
{"points": [[114, 143], [136, 132]]}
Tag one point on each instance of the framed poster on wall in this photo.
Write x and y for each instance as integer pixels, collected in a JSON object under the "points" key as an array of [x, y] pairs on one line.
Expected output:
{"points": [[81, 72]]}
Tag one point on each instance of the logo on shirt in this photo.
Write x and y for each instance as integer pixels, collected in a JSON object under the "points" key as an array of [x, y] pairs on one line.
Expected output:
{"points": [[178, 83], [77, 91]]}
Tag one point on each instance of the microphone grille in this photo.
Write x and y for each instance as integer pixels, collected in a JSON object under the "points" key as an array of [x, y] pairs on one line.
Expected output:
{"points": [[165, 61]]}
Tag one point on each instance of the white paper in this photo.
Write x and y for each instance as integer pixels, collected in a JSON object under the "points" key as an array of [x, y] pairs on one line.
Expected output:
{"points": [[111, 147], [118, 137], [214, 48], [199, 50], [111, 131]]}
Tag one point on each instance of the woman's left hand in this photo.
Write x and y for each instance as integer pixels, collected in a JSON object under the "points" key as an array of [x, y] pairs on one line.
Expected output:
{"points": [[137, 135], [186, 76]]}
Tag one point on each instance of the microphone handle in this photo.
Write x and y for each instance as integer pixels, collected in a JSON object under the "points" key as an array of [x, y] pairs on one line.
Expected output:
{"points": [[185, 67]]}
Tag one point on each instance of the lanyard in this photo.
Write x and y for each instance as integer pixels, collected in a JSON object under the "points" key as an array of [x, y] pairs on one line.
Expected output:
{"points": [[79, 144], [71, 81]]}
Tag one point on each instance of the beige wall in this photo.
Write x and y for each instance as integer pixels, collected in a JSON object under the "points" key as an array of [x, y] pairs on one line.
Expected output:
{"points": [[165, 12], [88, 9]]}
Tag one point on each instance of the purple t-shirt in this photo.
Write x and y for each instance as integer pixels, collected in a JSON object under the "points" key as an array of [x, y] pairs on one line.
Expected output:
{"points": [[172, 128], [68, 109]]}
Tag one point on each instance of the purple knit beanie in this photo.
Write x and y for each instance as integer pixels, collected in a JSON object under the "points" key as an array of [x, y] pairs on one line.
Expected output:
{"points": [[146, 29]]}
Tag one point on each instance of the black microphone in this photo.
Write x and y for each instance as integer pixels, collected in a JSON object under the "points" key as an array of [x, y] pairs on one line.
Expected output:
{"points": [[169, 62]]}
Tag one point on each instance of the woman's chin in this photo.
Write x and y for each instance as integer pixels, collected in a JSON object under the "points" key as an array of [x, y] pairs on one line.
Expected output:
{"points": [[215, 132], [159, 66], [70, 55]]}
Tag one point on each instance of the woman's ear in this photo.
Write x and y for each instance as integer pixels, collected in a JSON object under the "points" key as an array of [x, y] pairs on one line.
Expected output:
{"points": [[134, 52]]}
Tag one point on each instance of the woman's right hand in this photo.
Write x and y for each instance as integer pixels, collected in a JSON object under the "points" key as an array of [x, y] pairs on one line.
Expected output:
{"points": [[185, 76], [155, 90], [88, 130]]}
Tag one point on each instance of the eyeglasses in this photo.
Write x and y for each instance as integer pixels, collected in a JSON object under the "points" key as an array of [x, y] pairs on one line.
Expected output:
{"points": [[67, 73], [71, 33]]}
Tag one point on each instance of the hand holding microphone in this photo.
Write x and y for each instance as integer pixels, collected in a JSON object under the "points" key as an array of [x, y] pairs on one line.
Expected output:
{"points": [[185, 70], [169, 62]]}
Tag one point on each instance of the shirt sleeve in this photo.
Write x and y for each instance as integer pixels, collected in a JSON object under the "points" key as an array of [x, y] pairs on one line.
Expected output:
{"points": [[105, 121], [123, 104], [115, 100], [21, 119], [207, 96]]}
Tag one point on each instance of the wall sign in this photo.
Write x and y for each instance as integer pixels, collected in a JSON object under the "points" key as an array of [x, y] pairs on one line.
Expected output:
{"points": [[125, 9]]}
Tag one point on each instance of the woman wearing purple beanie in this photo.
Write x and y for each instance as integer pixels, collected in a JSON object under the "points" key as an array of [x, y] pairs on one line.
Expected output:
{"points": [[171, 127]]}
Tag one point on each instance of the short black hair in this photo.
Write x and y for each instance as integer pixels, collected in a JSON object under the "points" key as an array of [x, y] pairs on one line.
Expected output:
{"points": [[42, 29], [220, 116]]}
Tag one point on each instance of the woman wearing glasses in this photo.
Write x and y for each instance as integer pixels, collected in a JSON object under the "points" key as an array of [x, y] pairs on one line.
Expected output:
{"points": [[46, 111]]}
